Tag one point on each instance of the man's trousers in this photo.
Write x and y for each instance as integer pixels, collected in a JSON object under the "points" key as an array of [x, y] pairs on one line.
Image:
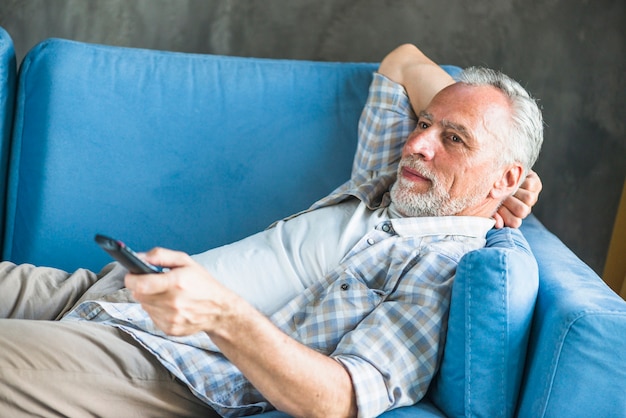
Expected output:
{"points": [[77, 369]]}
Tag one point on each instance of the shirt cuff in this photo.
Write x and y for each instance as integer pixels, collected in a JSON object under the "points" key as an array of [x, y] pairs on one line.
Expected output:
{"points": [[369, 386]]}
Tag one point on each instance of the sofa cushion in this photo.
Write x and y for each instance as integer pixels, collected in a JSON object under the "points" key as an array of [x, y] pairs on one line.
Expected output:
{"points": [[491, 309]]}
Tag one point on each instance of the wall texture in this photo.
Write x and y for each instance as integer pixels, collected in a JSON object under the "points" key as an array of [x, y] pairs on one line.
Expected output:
{"points": [[570, 54]]}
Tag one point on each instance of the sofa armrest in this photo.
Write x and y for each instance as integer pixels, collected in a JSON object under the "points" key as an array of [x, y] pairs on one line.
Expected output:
{"points": [[576, 357]]}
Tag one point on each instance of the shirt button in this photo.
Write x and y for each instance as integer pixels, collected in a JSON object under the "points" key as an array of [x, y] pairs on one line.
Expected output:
{"points": [[370, 241], [386, 227], [345, 286]]}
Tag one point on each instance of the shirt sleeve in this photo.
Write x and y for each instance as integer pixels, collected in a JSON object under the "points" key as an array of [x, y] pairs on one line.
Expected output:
{"points": [[393, 354], [385, 123]]}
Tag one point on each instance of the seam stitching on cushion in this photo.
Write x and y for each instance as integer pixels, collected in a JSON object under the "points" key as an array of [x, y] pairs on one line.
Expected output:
{"points": [[468, 340], [504, 258]]}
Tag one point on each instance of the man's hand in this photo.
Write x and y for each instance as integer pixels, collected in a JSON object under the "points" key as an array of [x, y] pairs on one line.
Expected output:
{"points": [[187, 300], [183, 301], [517, 207]]}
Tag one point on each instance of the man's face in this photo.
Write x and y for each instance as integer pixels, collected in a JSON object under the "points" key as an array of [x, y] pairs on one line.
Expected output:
{"points": [[449, 162]]}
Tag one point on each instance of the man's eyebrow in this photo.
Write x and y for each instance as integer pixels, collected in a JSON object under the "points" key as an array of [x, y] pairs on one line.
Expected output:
{"points": [[459, 128], [465, 133], [424, 114]]}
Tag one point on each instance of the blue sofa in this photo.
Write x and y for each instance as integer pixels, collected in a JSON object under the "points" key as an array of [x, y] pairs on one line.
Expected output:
{"points": [[194, 151]]}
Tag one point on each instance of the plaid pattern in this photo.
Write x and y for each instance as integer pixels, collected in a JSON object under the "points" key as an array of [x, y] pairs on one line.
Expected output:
{"points": [[381, 312]]}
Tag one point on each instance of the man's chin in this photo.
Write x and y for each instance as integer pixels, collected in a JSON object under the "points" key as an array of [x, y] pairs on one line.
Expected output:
{"points": [[412, 207], [411, 203]]}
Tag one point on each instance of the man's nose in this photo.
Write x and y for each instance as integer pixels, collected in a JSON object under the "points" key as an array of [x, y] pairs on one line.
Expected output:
{"points": [[422, 144]]}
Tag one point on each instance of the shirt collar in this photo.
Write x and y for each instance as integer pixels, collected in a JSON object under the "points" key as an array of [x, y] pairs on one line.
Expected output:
{"points": [[470, 226]]}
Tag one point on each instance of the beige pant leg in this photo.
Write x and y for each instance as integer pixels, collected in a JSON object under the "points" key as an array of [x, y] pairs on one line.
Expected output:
{"points": [[29, 292], [80, 369]]}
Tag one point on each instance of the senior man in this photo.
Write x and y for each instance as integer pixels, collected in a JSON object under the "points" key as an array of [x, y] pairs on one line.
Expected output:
{"points": [[338, 311]]}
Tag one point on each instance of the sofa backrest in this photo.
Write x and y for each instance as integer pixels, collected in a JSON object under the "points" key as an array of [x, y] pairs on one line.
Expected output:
{"points": [[178, 150], [7, 96]]}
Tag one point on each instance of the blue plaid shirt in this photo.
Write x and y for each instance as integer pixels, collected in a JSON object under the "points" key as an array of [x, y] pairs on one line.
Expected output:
{"points": [[381, 312]]}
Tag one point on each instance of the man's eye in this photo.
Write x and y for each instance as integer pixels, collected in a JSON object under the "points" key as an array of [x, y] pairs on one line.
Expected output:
{"points": [[422, 125], [456, 139]]}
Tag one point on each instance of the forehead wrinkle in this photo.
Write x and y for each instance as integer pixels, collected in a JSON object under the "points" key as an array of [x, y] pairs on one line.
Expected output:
{"points": [[457, 127], [468, 136], [461, 129]]}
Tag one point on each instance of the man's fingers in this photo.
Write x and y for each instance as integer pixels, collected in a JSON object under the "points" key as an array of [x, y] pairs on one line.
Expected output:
{"points": [[517, 205], [499, 220], [508, 219], [153, 284], [167, 258], [529, 190], [528, 198], [148, 284]]}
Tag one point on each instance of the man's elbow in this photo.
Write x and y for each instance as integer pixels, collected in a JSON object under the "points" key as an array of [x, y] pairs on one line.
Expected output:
{"points": [[395, 63]]}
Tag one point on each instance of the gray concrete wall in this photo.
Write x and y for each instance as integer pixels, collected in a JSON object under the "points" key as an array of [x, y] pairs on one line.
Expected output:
{"points": [[569, 53]]}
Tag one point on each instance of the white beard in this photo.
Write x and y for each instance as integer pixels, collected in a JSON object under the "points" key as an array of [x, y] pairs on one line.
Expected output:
{"points": [[436, 201]]}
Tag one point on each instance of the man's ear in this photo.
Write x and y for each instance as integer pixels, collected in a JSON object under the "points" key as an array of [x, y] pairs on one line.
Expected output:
{"points": [[508, 183]]}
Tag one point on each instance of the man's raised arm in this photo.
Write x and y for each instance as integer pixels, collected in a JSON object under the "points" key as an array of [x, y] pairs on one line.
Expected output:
{"points": [[419, 75]]}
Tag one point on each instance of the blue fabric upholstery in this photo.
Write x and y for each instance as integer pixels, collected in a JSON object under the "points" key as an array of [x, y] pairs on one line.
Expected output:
{"points": [[576, 363], [194, 151], [186, 151], [492, 303], [7, 97]]}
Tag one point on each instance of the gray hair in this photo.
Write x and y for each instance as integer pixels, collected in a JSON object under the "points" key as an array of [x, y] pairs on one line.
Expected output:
{"points": [[526, 133]]}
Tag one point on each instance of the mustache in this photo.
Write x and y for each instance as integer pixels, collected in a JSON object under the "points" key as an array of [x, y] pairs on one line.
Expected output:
{"points": [[415, 164]]}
